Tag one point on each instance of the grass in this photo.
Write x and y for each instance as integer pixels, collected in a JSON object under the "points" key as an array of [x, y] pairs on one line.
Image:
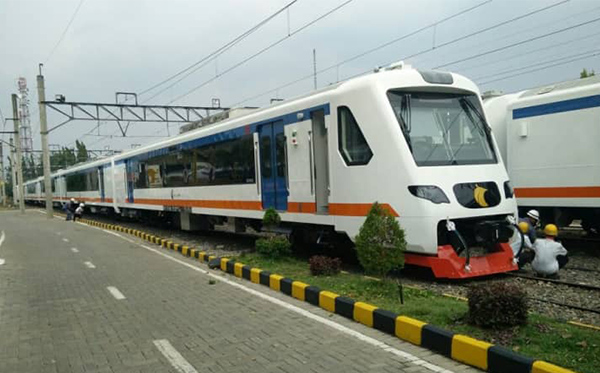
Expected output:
{"points": [[542, 338]]}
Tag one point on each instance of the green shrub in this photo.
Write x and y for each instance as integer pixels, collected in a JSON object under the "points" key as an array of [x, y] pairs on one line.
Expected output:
{"points": [[271, 218], [273, 247], [380, 243], [497, 305], [324, 265]]}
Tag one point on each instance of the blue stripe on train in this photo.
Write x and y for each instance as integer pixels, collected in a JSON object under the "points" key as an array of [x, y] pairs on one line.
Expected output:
{"points": [[230, 134], [557, 107]]}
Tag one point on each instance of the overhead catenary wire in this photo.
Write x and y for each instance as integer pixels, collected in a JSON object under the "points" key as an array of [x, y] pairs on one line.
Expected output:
{"points": [[211, 56], [289, 35], [480, 31], [272, 45], [532, 51], [437, 47], [546, 62], [406, 36], [62, 36], [520, 32], [489, 28], [202, 62], [369, 51], [475, 33], [512, 45], [540, 68]]}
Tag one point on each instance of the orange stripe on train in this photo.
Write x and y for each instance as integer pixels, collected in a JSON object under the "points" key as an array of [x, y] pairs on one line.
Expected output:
{"points": [[340, 209], [558, 192], [357, 209], [216, 204]]}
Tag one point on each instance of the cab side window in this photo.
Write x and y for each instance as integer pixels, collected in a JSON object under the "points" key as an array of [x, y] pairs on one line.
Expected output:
{"points": [[352, 144]]}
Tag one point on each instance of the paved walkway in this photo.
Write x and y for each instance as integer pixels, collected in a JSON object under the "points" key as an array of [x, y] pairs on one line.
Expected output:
{"points": [[79, 299]]}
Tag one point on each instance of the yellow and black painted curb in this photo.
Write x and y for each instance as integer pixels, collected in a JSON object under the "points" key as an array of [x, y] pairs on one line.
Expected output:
{"points": [[462, 348]]}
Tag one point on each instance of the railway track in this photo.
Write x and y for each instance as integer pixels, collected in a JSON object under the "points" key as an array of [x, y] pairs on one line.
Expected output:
{"points": [[566, 283], [567, 305]]}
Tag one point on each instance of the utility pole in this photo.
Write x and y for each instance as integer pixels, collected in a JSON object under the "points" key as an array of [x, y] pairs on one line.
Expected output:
{"points": [[18, 160], [315, 67], [45, 150]]}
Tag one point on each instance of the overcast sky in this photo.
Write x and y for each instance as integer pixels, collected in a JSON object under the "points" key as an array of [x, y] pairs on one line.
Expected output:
{"points": [[130, 45]]}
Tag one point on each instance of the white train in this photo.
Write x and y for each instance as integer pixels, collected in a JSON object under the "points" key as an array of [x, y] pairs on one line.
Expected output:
{"points": [[548, 138], [415, 141]]}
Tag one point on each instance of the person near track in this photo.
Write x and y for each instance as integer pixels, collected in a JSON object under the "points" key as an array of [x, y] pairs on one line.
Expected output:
{"points": [[550, 255]]}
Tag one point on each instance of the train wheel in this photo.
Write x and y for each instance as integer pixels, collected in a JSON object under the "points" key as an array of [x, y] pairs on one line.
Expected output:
{"points": [[592, 227]]}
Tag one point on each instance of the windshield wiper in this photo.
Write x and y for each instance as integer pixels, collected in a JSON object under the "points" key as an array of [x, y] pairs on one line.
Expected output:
{"points": [[445, 132], [405, 112], [404, 119]]}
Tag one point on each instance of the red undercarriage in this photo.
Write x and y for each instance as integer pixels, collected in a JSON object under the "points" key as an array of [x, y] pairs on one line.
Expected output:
{"points": [[447, 264]]}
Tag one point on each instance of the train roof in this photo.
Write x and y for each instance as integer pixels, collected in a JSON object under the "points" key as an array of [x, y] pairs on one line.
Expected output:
{"points": [[381, 76], [570, 84]]}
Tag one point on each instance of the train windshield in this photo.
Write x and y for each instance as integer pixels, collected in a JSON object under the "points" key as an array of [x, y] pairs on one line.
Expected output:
{"points": [[443, 128]]}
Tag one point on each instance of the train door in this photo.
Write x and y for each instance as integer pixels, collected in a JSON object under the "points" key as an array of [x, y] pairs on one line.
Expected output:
{"points": [[101, 183], [321, 161], [273, 166], [130, 175]]}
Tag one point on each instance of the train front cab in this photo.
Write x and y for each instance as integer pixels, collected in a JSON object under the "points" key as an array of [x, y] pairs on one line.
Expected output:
{"points": [[457, 196]]}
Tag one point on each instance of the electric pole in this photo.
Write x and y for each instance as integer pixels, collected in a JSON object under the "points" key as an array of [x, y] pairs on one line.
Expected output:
{"points": [[18, 160], [45, 150]]}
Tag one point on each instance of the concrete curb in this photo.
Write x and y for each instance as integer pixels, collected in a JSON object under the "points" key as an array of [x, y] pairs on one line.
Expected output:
{"points": [[462, 348]]}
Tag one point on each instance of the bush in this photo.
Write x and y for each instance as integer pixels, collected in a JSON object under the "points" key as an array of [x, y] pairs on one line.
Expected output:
{"points": [[324, 265], [271, 218], [497, 305], [380, 243], [273, 247]]}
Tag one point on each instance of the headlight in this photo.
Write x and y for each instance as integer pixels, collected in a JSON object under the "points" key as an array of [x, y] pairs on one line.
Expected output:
{"points": [[509, 192], [429, 192]]}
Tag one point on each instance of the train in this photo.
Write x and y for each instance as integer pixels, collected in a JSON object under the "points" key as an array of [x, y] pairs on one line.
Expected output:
{"points": [[548, 138], [415, 141]]}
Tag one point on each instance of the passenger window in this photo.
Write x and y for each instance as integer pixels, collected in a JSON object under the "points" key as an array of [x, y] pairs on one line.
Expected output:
{"points": [[352, 143]]}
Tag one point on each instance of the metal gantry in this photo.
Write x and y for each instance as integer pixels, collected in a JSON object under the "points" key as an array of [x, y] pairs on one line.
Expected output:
{"points": [[128, 112]]}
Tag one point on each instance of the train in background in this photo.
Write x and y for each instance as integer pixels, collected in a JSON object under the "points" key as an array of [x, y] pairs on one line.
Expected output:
{"points": [[549, 140], [415, 141]]}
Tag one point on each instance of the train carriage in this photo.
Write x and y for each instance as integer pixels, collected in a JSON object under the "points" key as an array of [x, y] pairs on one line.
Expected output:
{"points": [[548, 139], [415, 141]]}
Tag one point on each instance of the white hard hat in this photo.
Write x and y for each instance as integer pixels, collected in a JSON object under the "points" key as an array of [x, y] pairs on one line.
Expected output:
{"points": [[534, 214], [81, 205], [72, 199]]}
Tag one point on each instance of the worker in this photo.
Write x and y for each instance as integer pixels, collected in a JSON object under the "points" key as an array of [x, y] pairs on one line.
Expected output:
{"points": [[521, 245], [533, 219], [70, 208], [79, 212], [550, 255]]}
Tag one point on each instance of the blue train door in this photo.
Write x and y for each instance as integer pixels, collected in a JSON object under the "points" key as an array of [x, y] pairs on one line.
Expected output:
{"points": [[130, 167], [273, 166]]}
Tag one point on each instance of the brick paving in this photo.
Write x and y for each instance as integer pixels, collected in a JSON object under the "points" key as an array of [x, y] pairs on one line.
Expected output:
{"points": [[56, 314]]}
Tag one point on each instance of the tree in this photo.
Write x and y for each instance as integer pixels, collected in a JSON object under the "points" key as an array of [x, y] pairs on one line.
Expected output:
{"points": [[29, 167], [380, 243], [8, 191], [64, 158], [82, 154], [585, 74]]}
